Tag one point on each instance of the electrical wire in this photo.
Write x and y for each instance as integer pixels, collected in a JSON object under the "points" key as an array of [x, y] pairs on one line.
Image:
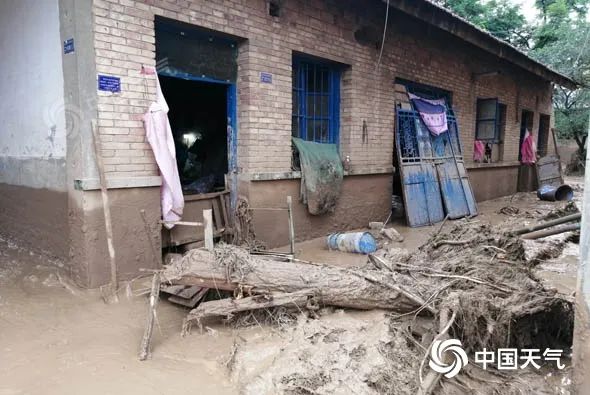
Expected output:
{"points": [[383, 39]]}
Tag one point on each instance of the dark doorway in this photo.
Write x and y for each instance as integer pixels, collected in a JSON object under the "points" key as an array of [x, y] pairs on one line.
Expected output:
{"points": [[543, 138], [198, 118]]}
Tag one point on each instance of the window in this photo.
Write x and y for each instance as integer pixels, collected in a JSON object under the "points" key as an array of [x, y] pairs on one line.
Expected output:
{"points": [[316, 100], [490, 127], [543, 138], [486, 127]]}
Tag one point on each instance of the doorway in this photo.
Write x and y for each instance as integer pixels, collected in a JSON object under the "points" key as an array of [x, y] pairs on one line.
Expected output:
{"points": [[197, 69], [526, 123], [198, 118], [543, 135]]}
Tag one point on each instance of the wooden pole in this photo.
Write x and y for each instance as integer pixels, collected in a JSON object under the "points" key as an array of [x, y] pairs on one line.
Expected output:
{"points": [[548, 224], [145, 349], [208, 221], [550, 232], [107, 211], [291, 225]]}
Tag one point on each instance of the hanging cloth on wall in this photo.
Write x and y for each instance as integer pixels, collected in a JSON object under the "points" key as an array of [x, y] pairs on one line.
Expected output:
{"points": [[432, 112], [528, 154], [159, 136], [321, 175], [479, 149]]}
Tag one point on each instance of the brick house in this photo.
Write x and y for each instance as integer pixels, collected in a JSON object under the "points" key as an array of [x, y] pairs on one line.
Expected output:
{"points": [[244, 68]]}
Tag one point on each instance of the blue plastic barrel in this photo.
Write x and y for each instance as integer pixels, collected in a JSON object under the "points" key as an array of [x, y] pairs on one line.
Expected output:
{"points": [[553, 193], [357, 242]]}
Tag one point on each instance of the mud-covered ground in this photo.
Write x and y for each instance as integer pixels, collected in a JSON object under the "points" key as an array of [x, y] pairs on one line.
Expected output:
{"points": [[56, 339]]}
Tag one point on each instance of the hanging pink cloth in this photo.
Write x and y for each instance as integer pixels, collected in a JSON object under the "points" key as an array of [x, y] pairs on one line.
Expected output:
{"points": [[479, 149], [159, 135], [432, 112], [528, 154]]}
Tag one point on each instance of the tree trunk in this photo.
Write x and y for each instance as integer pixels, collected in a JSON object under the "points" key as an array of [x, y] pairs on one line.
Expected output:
{"points": [[248, 275]]}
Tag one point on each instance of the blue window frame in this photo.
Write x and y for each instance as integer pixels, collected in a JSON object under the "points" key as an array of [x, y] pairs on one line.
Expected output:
{"points": [[316, 100]]}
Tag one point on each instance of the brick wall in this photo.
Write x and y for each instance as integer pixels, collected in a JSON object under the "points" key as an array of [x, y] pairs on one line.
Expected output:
{"points": [[125, 40]]}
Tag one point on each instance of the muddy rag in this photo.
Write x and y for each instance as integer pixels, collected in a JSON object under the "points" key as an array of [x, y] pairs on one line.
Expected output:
{"points": [[479, 149], [159, 136], [321, 175], [432, 112], [528, 154]]}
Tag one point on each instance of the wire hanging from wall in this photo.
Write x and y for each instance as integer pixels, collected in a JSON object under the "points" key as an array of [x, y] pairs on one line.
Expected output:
{"points": [[365, 130], [383, 39]]}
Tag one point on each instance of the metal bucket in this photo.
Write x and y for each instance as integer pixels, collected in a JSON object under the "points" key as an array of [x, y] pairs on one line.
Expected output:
{"points": [[357, 242], [555, 193]]}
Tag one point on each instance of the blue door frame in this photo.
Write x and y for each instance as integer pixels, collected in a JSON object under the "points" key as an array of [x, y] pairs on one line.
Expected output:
{"points": [[232, 127]]}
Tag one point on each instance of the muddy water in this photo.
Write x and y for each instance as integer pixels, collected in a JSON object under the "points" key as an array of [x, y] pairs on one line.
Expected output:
{"points": [[60, 340], [54, 342]]}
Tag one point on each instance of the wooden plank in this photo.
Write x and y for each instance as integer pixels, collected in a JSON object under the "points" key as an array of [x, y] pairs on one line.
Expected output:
{"points": [[218, 222], [222, 202], [549, 171], [191, 302], [204, 196], [208, 219], [469, 195], [182, 291], [291, 226]]}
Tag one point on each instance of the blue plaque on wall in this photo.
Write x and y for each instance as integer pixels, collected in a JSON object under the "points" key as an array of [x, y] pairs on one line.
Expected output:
{"points": [[266, 78], [109, 83], [68, 45]]}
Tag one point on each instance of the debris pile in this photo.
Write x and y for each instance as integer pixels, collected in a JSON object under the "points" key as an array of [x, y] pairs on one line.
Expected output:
{"points": [[472, 283]]}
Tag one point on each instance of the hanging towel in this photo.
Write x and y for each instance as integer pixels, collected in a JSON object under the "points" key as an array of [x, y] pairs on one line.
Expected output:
{"points": [[479, 149], [528, 154], [159, 136], [432, 112]]}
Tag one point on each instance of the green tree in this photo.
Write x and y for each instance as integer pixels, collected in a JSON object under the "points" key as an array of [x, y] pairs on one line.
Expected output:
{"points": [[562, 42], [499, 17]]}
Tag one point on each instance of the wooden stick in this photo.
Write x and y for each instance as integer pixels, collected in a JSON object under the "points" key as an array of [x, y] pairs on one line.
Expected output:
{"points": [[442, 224], [291, 226], [454, 242], [145, 349], [183, 223], [107, 211], [208, 221], [268, 208], [429, 382]]}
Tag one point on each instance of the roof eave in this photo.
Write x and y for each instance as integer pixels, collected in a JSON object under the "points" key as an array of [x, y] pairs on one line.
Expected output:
{"points": [[443, 19]]}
